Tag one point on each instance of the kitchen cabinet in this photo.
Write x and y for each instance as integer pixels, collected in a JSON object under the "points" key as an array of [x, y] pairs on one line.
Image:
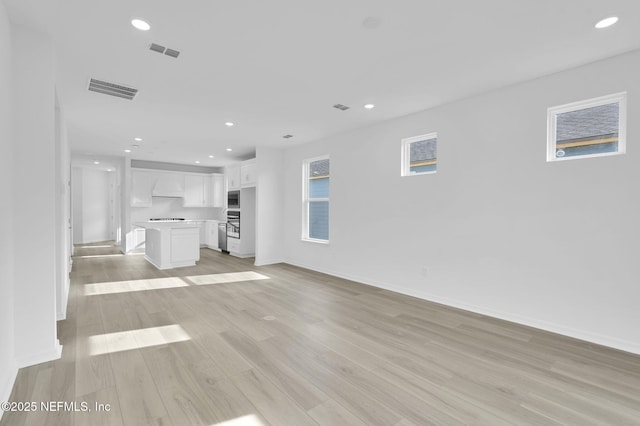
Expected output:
{"points": [[142, 184], [194, 191], [248, 174], [233, 176], [217, 194], [139, 237]]}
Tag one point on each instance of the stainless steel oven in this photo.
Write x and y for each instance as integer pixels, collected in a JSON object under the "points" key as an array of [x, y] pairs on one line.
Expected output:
{"points": [[233, 224]]}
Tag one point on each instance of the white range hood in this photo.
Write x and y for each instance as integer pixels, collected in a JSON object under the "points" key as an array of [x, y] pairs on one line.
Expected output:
{"points": [[169, 185]]}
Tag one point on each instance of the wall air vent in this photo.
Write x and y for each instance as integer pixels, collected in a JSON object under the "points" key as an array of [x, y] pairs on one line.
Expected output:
{"points": [[164, 50], [113, 89], [341, 107]]}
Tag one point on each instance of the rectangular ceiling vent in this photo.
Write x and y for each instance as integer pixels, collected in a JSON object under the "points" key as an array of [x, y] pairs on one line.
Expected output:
{"points": [[113, 89], [287, 136], [157, 48], [341, 107], [164, 50]]}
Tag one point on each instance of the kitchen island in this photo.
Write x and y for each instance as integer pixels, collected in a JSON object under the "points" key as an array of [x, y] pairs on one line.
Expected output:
{"points": [[171, 244]]}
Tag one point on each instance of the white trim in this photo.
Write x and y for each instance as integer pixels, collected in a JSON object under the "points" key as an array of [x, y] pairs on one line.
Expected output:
{"points": [[405, 154], [552, 112], [585, 335]]}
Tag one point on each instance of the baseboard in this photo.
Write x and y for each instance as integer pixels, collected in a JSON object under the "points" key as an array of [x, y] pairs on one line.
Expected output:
{"points": [[52, 355], [623, 345], [242, 255], [269, 262], [7, 380]]}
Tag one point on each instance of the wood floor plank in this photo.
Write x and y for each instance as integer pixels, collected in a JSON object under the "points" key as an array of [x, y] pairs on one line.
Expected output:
{"points": [[273, 404]]}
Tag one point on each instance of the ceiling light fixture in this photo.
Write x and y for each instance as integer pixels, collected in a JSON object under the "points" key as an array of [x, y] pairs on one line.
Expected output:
{"points": [[229, 149], [137, 139], [96, 162], [197, 161], [229, 124], [212, 156], [140, 24], [369, 106], [127, 150], [607, 22]]}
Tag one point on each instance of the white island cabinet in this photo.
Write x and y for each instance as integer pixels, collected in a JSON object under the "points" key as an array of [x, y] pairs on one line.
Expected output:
{"points": [[171, 244]]}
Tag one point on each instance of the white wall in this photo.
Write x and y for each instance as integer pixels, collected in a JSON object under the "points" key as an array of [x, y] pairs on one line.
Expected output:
{"points": [[8, 367], [93, 196], [269, 199], [497, 230], [34, 197]]}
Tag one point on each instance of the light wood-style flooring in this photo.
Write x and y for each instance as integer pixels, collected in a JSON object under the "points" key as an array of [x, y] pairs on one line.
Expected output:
{"points": [[229, 343]]}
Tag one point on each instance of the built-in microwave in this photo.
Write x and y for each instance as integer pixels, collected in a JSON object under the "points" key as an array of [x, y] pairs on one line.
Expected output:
{"points": [[233, 199]]}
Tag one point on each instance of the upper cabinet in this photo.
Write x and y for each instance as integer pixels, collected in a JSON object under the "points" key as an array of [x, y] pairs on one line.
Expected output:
{"points": [[233, 176], [217, 194], [142, 184], [248, 174], [194, 191]]}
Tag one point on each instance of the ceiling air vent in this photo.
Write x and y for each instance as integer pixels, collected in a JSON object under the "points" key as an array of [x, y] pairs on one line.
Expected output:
{"points": [[113, 89], [341, 107], [157, 48], [164, 50], [171, 52], [287, 136]]}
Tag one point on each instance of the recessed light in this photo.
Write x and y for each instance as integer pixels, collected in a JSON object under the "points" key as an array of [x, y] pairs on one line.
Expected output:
{"points": [[369, 106], [211, 156], [197, 161], [140, 24], [607, 22], [229, 124], [96, 162], [109, 170], [127, 150], [229, 149], [137, 139]]}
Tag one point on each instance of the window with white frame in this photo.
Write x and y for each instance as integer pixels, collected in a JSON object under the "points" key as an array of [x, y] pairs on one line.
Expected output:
{"points": [[315, 225], [420, 154], [590, 128]]}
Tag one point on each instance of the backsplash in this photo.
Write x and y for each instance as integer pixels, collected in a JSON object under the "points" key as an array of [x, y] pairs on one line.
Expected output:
{"points": [[172, 207]]}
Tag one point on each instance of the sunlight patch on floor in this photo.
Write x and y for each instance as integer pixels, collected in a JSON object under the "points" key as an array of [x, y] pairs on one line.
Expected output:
{"points": [[249, 420], [101, 344], [135, 285], [229, 277]]}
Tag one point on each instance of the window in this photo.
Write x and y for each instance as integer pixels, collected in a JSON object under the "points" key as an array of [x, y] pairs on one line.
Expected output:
{"points": [[419, 154], [590, 128], [316, 200]]}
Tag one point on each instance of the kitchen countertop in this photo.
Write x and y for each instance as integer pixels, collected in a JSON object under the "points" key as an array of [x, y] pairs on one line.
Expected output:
{"points": [[167, 225]]}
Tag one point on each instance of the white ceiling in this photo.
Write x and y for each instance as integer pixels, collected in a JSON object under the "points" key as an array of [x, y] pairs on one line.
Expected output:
{"points": [[277, 67]]}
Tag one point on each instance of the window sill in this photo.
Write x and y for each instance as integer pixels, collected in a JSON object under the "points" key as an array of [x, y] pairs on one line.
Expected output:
{"points": [[313, 240]]}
